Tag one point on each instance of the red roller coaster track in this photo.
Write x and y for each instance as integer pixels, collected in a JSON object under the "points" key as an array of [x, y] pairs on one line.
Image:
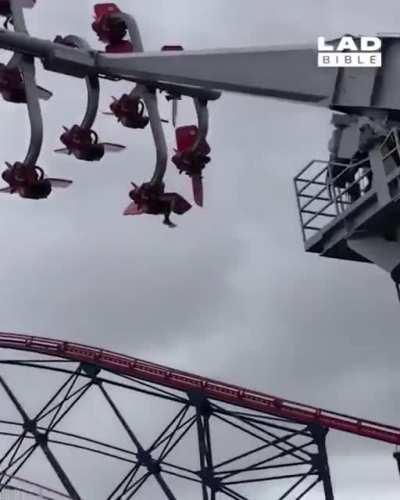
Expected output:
{"points": [[212, 389]]}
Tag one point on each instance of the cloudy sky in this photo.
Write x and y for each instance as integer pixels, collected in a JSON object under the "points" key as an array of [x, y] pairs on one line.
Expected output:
{"points": [[230, 293]]}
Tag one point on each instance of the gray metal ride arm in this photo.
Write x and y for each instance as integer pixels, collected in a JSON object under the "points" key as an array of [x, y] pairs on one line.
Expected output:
{"points": [[92, 85], [261, 71], [150, 99], [27, 66]]}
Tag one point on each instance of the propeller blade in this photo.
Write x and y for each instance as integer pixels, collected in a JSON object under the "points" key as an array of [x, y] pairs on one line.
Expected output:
{"points": [[174, 112], [112, 148], [5, 190], [133, 209], [63, 151], [197, 185], [108, 113], [44, 93], [65, 128], [59, 183], [164, 121]]}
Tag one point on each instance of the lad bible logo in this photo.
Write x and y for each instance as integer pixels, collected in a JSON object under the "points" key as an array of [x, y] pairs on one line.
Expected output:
{"points": [[364, 52]]}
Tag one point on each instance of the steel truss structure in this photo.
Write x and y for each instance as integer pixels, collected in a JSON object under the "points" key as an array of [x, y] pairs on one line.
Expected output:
{"points": [[278, 444]]}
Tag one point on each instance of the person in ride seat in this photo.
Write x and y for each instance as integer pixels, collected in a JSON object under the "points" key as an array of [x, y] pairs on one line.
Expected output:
{"points": [[151, 199]]}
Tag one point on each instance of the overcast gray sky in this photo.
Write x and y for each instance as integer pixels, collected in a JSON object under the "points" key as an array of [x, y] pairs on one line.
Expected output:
{"points": [[230, 293]]}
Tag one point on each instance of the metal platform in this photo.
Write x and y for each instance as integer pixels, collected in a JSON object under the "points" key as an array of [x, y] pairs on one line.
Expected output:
{"points": [[337, 201]]}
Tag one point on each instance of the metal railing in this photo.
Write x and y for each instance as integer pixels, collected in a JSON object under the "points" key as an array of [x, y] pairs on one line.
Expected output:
{"points": [[326, 189]]}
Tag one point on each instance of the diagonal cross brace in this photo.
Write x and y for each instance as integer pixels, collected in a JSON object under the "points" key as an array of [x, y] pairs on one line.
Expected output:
{"points": [[41, 440]]}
